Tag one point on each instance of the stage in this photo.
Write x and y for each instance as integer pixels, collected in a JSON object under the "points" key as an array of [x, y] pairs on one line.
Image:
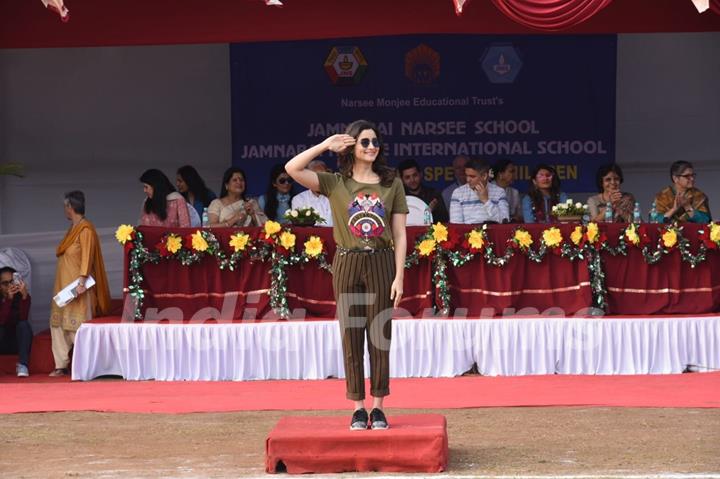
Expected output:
{"points": [[242, 351]]}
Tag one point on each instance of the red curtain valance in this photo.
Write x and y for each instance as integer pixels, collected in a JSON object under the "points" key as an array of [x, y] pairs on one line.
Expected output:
{"points": [[550, 15]]}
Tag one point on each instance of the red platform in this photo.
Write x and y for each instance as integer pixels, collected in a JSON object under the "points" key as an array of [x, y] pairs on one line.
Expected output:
{"points": [[312, 444]]}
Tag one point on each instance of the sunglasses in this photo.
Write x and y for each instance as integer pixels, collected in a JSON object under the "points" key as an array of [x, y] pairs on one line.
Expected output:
{"points": [[365, 142], [284, 181]]}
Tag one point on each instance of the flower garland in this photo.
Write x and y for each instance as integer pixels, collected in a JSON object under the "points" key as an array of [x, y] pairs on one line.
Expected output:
{"points": [[275, 244]]}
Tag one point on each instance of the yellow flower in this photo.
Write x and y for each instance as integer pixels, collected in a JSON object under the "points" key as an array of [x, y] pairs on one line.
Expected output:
{"points": [[174, 243], [198, 242], [476, 239], [552, 237], [272, 227], [576, 235], [523, 238], [239, 241], [669, 238], [313, 246], [124, 233], [440, 232], [593, 232], [426, 247], [287, 240], [631, 235], [715, 233]]}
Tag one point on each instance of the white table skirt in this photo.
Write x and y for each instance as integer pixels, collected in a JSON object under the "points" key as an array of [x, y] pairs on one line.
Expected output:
{"points": [[420, 348]]}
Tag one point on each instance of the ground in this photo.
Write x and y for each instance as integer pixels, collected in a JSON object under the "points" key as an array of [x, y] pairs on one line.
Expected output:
{"points": [[493, 441]]}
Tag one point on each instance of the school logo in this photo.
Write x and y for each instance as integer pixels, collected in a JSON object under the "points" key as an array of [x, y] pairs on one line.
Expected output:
{"points": [[501, 64], [345, 65], [367, 216], [422, 65]]}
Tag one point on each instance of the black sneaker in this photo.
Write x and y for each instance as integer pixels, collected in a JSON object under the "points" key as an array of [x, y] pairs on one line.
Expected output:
{"points": [[359, 420], [378, 419]]}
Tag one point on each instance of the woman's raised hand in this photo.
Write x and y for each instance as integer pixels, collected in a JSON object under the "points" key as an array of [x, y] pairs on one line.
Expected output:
{"points": [[338, 143]]}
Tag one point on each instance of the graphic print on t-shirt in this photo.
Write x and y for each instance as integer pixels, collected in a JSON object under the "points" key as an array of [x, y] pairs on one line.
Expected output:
{"points": [[367, 216]]}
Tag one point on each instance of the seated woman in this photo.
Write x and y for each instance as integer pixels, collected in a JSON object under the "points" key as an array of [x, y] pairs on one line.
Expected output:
{"points": [[233, 208], [504, 176], [163, 206], [278, 196], [191, 185], [543, 193], [608, 180], [681, 201]]}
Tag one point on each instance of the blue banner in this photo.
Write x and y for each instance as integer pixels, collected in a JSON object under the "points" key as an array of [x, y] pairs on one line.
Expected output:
{"points": [[533, 99]]}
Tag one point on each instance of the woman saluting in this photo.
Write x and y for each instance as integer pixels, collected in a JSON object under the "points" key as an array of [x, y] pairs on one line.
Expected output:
{"points": [[369, 213]]}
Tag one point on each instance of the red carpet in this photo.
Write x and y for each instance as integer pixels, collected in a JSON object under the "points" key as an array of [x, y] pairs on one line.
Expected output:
{"points": [[39, 393], [414, 443]]}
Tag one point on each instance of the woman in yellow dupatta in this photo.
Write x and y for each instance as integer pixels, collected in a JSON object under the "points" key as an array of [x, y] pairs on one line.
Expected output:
{"points": [[79, 256], [681, 201]]}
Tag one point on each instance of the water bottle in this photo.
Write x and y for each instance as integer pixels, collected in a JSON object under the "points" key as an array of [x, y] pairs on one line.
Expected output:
{"points": [[205, 219], [427, 217], [652, 216], [608, 213], [636, 213]]}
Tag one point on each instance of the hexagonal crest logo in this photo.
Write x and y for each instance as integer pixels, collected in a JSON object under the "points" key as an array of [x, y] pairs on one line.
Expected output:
{"points": [[345, 65], [501, 64], [422, 65]]}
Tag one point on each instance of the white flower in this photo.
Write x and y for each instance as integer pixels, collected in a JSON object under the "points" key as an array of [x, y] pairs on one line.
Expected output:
{"points": [[586, 207], [294, 213], [308, 213], [568, 202], [555, 207], [578, 205]]}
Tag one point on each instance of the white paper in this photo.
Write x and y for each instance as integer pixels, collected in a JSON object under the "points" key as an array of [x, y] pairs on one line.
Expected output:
{"points": [[68, 293]]}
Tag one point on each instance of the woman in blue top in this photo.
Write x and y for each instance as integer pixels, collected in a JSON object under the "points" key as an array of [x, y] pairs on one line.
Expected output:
{"points": [[276, 200], [191, 185], [543, 193]]}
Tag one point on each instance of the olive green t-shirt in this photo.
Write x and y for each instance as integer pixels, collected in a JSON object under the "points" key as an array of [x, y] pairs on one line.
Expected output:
{"points": [[362, 212]]}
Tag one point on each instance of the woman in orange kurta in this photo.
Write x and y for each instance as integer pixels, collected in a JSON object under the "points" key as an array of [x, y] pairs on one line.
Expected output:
{"points": [[79, 256]]}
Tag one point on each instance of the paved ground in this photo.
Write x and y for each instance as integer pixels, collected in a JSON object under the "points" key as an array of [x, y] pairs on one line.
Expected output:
{"points": [[544, 441]]}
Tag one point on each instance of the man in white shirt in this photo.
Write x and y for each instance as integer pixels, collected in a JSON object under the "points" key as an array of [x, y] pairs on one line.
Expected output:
{"points": [[309, 198], [459, 170], [478, 200]]}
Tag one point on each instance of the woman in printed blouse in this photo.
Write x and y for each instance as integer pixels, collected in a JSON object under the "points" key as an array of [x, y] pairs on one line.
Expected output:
{"points": [[163, 206], [681, 201]]}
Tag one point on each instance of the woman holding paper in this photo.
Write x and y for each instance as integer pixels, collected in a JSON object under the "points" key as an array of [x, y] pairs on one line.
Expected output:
{"points": [[79, 257]]}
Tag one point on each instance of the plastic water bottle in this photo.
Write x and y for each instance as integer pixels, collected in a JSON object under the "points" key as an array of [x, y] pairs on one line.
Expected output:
{"points": [[205, 219], [637, 218], [652, 216], [427, 217], [608, 213]]}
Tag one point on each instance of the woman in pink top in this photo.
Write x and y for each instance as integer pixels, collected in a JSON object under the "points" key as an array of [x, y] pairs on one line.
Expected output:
{"points": [[163, 205]]}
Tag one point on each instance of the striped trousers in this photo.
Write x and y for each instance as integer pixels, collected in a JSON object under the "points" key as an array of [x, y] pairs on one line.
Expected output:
{"points": [[362, 282]]}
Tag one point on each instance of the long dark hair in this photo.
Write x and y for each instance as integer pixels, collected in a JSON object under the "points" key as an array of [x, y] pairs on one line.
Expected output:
{"points": [[226, 177], [379, 166], [536, 196], [195, 184], [271, 201], [161, 188]]}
